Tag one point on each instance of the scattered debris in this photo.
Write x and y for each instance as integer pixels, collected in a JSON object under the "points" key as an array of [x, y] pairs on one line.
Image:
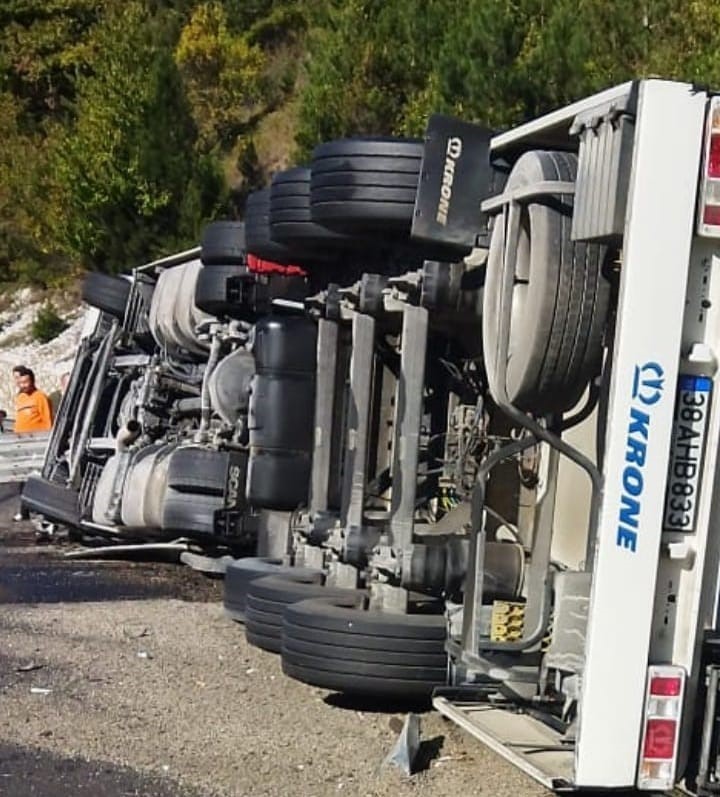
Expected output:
{"points": [[443, 758], [29, 667], [407, 745], [159, 551], [212, 565], [137, 632]]}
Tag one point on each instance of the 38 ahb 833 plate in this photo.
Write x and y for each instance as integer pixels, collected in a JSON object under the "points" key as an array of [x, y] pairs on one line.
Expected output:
{"points": [[686, 453]]}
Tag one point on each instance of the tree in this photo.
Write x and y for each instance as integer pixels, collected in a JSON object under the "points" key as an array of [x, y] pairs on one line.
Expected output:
{"points": [[368, 64], [44, 47], [129, 179], [220, 71]]}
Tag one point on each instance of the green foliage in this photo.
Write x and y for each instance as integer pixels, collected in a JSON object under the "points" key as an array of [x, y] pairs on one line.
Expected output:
{"points": [[125, 124], [47, 324], [368, 63], [44, 45], [127, 171], [220, 71]]}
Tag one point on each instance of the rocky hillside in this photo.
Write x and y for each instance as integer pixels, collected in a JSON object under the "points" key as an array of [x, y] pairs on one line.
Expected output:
{"points": [[50, 360]]}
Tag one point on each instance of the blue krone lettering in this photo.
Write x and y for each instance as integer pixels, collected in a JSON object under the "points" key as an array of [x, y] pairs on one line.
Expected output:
{"points": [[629, 511], [626, 538], [632, 480], [647, 389]]}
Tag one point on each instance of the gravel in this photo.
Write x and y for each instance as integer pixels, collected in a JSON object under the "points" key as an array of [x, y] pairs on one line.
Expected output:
{"points": [[168, 690]]}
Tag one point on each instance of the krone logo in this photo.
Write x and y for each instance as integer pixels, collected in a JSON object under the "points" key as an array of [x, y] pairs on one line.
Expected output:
{"points": [[453, 151], [454, 147], [648, 383]]}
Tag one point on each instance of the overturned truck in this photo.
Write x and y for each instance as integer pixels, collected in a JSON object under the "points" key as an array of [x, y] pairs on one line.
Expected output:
{"points": [[457, 396]]}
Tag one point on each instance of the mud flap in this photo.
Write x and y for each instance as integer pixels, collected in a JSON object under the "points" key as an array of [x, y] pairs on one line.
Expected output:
{"points": [[455, 176]]}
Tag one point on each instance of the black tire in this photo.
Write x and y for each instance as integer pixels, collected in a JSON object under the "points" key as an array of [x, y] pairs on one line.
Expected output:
{"points": [[347, 179], [223, 244], [190, 513], [335, 644], [389, 195], [290, 217], [397, 150], [198, 470], [257, 231], [107, 293], [268, 597], [242, 572], [560, 297], [365, 185], [53, 501]]}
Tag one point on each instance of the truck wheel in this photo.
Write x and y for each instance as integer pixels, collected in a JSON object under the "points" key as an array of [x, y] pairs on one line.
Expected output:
{"points": [[258, 236], [559, 297], [107, 293], [223, 244], [290, 218], [365, 185], [335, 644], [242, 572], [267, 598]]}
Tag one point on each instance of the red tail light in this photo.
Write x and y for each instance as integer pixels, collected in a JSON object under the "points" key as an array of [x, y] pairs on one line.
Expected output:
{"points": [[659, 739], [709, 194], [663, 712], [665, 687]]}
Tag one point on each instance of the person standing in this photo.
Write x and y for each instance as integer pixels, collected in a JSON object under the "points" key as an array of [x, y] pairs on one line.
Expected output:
{"points": [[33, 412]]}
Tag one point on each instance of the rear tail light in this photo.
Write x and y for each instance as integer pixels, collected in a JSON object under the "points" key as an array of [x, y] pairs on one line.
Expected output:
{"points": [[661, 729], [709, 199]]}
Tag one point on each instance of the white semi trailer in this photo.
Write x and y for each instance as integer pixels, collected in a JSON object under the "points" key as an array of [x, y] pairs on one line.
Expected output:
{"points": [[620, 619]]}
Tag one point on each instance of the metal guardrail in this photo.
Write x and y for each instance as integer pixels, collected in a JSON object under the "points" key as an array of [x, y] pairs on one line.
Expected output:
{"points": [[20, 455]]}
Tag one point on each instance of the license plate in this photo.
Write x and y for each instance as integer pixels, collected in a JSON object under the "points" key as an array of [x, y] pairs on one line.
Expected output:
{"points": [[692, 410]]}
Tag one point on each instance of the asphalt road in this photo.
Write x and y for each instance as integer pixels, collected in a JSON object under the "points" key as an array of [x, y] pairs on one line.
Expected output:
{"points": [[126, 679]]}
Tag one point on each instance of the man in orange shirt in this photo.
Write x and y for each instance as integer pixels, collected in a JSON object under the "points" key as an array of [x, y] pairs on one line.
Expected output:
{"points": [[33, 412]]}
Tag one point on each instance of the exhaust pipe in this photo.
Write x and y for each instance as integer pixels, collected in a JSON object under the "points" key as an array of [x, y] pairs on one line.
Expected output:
{"points": [[127, 435]]}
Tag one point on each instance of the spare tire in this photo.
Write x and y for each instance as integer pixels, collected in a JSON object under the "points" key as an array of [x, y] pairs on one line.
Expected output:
{"points": [[242, 572], [267, 598], [223, 244], [365, 184], [333, 643], [559, 297], [107, 293]]}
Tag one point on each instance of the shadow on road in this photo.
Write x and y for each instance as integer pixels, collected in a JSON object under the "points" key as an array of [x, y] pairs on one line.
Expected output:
{"points": [[35, 773]]}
